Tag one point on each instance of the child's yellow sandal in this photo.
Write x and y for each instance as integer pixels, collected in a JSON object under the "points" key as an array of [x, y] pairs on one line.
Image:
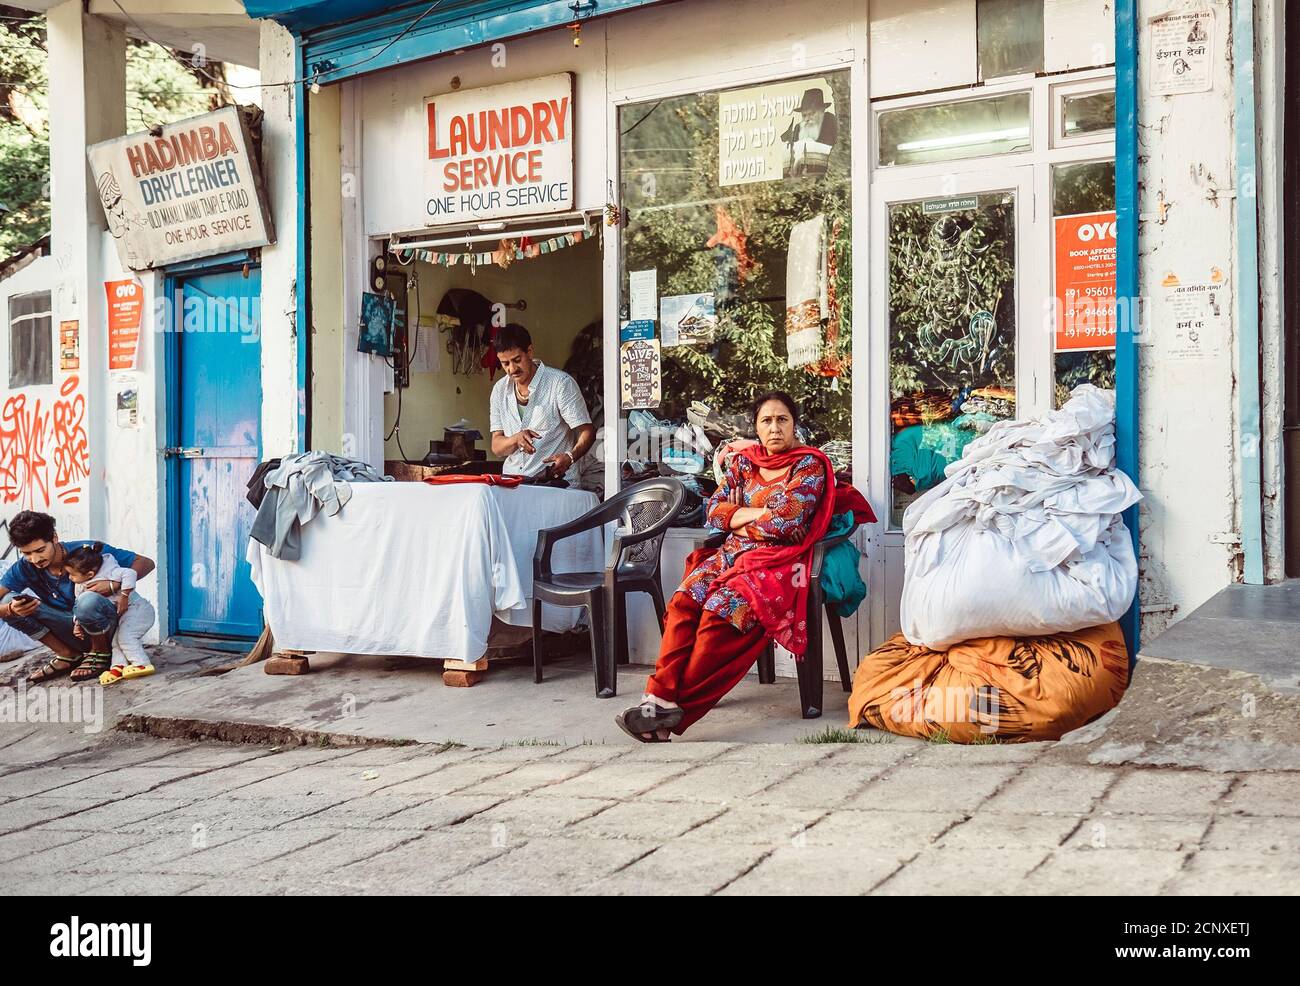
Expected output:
{"points": [[112, 675], [137, 671]]}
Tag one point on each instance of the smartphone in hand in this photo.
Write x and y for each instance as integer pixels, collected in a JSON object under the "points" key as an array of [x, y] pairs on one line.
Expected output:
{"points": [[22, 604]]}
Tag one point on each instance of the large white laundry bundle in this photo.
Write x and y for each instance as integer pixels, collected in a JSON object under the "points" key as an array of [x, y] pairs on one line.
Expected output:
{"points": [[1024, 536]]}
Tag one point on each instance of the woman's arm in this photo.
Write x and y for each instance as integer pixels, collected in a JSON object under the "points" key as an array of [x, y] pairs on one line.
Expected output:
{"points": [[723, 505], [789, 511], [742, 515], [142, 566]]}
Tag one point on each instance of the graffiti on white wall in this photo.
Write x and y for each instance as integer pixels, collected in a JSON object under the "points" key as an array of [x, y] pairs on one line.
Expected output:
{"points": [[44, 451]]}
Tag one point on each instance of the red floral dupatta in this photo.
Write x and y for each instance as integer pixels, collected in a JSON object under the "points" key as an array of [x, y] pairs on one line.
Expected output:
{"points": [[774, 580]]}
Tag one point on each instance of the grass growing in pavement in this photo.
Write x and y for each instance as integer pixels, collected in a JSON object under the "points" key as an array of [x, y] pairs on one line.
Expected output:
{"points": [[837, 734], [532, 742], [941, 736]]}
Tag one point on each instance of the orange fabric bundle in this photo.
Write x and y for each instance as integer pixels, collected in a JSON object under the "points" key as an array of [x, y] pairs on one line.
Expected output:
{"points": [[1011, 688]]}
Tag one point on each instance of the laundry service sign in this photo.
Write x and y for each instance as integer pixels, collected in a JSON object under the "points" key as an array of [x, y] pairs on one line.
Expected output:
{"points": [[185, 190], [499, 151]]}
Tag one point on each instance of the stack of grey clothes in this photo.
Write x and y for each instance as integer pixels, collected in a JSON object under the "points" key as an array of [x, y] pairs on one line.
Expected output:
{"points": [[296, 489]]}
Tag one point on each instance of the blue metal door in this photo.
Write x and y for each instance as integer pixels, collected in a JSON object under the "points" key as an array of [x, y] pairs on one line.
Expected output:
{"points": [[214, 446]]}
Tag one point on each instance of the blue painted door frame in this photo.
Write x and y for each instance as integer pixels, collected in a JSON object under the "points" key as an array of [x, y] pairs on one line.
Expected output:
{"points": [[212, 354], [1126, 286]]}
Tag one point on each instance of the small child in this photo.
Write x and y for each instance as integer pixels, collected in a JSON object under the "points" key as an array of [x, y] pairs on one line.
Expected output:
{"points": [[94, 570]]}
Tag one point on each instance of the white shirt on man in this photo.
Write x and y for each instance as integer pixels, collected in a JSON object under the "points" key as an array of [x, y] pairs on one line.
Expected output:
{"points": [[555, 408]]}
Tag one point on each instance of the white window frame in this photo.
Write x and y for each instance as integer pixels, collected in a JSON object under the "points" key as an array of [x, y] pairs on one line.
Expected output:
{"points": [[1059, 92], [47, 314], [975, 163], [1045, 115]]}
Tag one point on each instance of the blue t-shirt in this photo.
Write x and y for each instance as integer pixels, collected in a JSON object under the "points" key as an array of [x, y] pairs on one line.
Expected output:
{"points": [[59, 592]]}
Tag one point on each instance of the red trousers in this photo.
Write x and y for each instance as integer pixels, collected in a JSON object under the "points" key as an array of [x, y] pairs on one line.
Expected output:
{"points": [[702, 657]]}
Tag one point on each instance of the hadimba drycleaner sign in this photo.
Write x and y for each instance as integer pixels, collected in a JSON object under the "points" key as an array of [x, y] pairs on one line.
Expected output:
{"points": [[500, 151], [191, 189]]}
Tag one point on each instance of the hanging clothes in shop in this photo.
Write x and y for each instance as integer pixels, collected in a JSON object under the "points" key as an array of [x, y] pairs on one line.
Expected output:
{"points": [[805, 292], [731, 258], [833, 362], [586, 365], [467, 319]]}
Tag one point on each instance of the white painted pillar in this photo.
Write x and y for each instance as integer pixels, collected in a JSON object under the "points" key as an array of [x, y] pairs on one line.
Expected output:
{"points": [[280, 323], [87, 69]]}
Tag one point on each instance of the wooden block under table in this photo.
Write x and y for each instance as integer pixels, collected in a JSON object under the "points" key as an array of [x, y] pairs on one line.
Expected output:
{"points": [[463, 674], [287, 662]]}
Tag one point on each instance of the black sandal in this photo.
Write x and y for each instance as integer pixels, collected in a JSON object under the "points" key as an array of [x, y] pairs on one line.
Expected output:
{"points": [[636, 720], [55, 667], [94, 664]]}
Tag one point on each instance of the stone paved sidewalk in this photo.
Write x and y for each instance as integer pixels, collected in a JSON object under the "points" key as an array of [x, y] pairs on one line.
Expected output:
{"points": [[128, 814]]}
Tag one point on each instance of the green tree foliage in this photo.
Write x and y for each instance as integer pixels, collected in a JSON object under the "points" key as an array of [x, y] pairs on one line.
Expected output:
{"points": [[24, 138], [160, 89]]}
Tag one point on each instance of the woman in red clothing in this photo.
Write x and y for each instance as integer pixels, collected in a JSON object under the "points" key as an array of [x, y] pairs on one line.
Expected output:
{"points": [[775, 504]]}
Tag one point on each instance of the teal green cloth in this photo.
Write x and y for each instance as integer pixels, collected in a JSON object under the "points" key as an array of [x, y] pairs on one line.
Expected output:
{"points": [[841, 584], [924, 451]]}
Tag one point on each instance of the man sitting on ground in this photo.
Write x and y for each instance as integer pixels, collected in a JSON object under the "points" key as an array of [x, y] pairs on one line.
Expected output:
{"points": [[49, 608]]}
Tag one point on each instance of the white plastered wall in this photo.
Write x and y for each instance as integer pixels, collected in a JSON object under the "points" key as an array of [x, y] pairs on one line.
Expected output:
{"points": [[280, 392], [1188, 449], [133, 485], [1274, 243]]}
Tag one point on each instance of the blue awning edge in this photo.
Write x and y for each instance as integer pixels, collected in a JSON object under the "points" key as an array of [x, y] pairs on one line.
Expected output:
{"points": [[300, 16]]}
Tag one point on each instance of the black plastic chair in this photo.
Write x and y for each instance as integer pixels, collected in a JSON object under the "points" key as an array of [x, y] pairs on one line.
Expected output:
{"points": [[644, 512], [810, 668]]}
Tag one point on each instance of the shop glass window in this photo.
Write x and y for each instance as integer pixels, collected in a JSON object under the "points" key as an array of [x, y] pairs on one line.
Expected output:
{"points": [[31, 340], [1079, 189], [952, 332], [1088, 114], [737, 245], [950, 131], [1009, 37]]}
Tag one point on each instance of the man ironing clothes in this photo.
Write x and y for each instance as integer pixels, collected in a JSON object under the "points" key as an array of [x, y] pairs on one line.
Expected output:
{"points": [[538, 419]]}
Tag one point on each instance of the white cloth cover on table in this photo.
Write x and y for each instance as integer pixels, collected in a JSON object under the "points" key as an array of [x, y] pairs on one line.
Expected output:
{"points": [[527, 510], [1024, 536], [404, 568]]}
